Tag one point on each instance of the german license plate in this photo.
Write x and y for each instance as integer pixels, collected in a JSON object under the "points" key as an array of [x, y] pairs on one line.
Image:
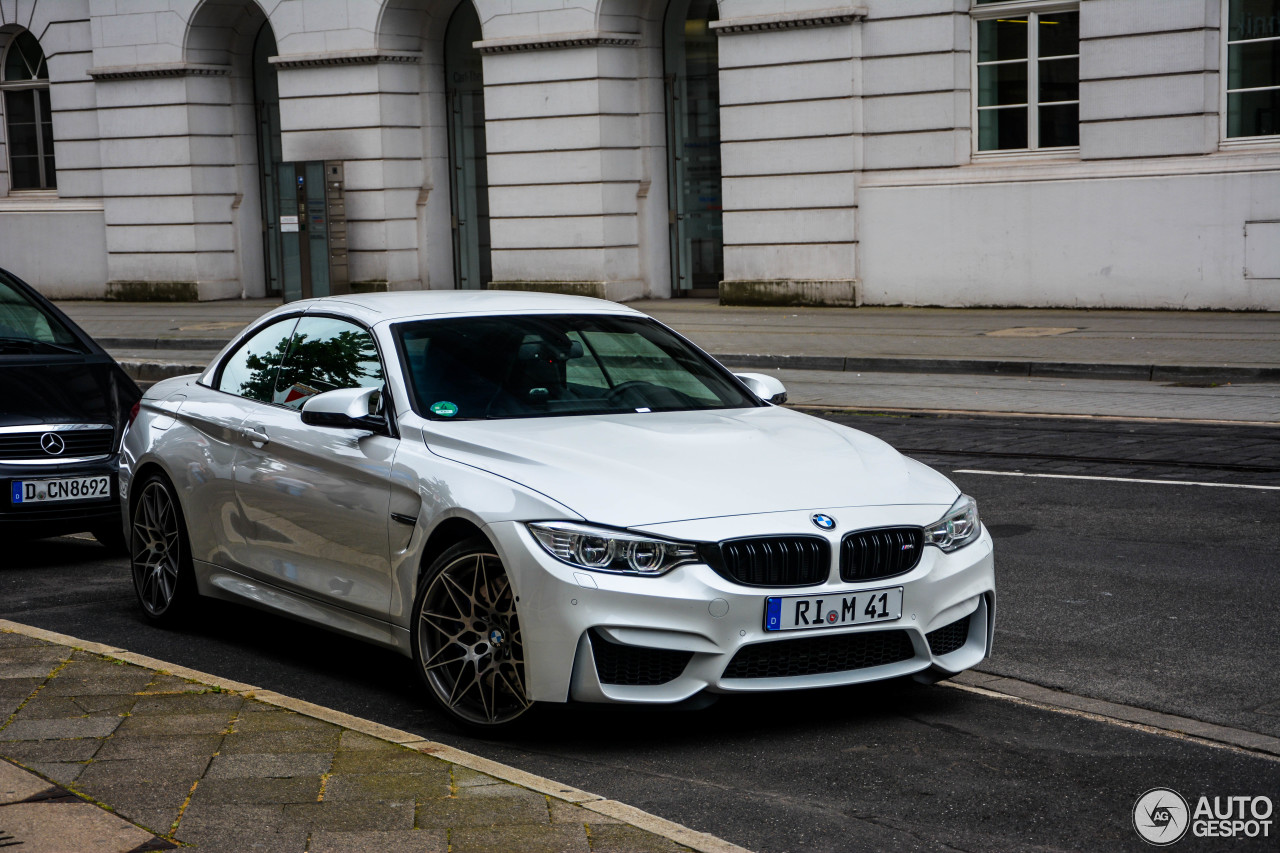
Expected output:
{"points": [[68, 489], [836, 610]]}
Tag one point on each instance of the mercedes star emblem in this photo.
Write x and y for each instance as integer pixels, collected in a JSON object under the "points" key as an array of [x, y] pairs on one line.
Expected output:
{"points": [[52, 443]]}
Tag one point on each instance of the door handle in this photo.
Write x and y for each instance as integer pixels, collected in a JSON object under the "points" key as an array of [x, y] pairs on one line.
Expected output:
{"points": [[257, 435]]}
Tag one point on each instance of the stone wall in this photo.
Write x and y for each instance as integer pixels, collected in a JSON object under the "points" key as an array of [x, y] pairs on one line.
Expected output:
{"points": [[849, 168]]}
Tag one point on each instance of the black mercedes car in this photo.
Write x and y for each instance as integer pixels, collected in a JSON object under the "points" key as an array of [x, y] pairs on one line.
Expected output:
{"points": [[64, 404]]}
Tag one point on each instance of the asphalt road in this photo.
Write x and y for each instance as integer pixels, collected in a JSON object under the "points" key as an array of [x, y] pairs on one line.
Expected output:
{"points": [[1161, 596], [1152, 594]]}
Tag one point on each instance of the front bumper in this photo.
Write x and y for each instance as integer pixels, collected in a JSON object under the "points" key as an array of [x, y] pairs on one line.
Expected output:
{"points": [[668, 638], [38, 520]]}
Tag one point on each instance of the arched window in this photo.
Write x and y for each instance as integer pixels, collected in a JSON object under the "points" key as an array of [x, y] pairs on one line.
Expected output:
{"points": [[24, 81]]}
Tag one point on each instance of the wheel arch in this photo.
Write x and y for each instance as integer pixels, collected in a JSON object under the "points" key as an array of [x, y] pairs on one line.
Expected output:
{"points": [[145, 470], [444, 536]]}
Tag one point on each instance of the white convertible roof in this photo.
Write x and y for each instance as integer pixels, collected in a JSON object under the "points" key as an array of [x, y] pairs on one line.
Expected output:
{"points": [[381, 307]]}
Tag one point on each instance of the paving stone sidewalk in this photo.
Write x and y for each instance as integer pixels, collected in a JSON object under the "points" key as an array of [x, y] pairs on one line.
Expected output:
{"points": [[136, 756], [1110, 344]]}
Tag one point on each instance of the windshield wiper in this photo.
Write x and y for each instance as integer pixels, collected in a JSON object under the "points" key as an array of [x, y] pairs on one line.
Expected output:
{"points": [[10, 344]]}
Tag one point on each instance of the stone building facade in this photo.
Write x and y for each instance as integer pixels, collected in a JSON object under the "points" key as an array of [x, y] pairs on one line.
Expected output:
{"points": [[1109, 153]]}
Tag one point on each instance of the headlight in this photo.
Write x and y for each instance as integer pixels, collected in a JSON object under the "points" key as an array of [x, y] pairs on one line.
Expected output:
{"points": [[958, 527], [604, 550]]}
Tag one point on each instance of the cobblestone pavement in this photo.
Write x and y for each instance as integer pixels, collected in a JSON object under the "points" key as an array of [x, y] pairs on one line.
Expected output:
{"points": [[1006, 360], [227, 768], [1117, 337], [1181, 338], [209, 324], [1020, 334]]}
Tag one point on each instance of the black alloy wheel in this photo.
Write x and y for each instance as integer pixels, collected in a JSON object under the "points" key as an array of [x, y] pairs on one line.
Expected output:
{"points": [[466, 637], [161, 558]]}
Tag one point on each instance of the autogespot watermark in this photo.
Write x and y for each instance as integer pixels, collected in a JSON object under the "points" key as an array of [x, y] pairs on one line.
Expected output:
{"points": [[1162, 817]]}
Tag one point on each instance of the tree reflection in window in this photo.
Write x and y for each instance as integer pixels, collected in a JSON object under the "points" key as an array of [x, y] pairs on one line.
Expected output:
{"points": [[347, 359], [309, 364]]}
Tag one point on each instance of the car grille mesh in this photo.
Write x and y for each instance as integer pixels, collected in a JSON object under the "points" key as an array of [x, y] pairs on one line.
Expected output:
{"points": [[870, 555], [948, 638], [818, 655], [25, 446], [636, 665], [776, 560]]}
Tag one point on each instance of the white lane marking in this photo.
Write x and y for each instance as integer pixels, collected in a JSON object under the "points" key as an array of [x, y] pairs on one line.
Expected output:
{"points": [[1117, 479]]}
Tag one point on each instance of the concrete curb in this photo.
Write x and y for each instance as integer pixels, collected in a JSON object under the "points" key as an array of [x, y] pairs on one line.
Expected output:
{"points": [[992, 413], [213, 345], [995, 367], [145, 370], [1155, 722], [699, 841]]}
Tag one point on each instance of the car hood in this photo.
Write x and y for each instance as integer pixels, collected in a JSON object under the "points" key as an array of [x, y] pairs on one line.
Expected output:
{"points": [[638, 469]]}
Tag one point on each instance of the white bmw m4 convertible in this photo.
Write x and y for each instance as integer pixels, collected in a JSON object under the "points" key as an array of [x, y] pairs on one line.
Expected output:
{"points": [[547, 498]]}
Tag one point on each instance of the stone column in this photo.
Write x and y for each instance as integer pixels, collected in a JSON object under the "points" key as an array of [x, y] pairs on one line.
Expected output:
{"points": [[170, 181], [790, 153], [363, 107], [567, 177], [37, 227]]}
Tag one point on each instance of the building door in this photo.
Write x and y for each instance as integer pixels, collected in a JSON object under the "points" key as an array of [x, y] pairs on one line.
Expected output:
{"points": [[295, 222], [468, 176], [692, 68], [301, 226], [266, 99]]}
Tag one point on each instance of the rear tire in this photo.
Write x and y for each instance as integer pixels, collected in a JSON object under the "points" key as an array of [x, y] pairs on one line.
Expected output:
{"points": [[466, 638], [160, 556]]}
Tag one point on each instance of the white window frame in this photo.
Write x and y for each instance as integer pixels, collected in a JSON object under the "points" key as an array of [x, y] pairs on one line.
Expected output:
{"points": [[1223, 117], [1032, 9], [25, 85]]}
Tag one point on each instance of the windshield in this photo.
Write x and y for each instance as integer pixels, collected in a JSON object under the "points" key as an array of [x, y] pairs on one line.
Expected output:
{"points": [[549, 365], [26, 327]]}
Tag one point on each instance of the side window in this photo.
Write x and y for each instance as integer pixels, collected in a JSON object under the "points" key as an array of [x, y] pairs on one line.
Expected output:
{"points": [[251, 370], [326, 354], [22, 319]]}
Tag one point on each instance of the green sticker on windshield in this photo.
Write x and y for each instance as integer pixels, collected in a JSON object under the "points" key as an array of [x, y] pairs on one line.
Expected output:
{"points": [[444, 409]]}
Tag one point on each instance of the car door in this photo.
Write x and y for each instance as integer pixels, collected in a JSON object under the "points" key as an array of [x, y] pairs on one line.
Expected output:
{"points": [[201, 455], [315, 500]]}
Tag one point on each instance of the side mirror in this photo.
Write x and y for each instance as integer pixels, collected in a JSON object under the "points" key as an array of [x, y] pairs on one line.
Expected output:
{"points": [[764, 386], [346, 408]]}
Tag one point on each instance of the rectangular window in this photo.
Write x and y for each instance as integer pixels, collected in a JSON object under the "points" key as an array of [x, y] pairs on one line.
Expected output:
{"points": [[1028, 76], [1253, 68]]}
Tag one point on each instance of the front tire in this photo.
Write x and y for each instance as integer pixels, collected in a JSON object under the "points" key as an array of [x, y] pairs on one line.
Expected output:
{"points": [[159, 552], [467, 645]]}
